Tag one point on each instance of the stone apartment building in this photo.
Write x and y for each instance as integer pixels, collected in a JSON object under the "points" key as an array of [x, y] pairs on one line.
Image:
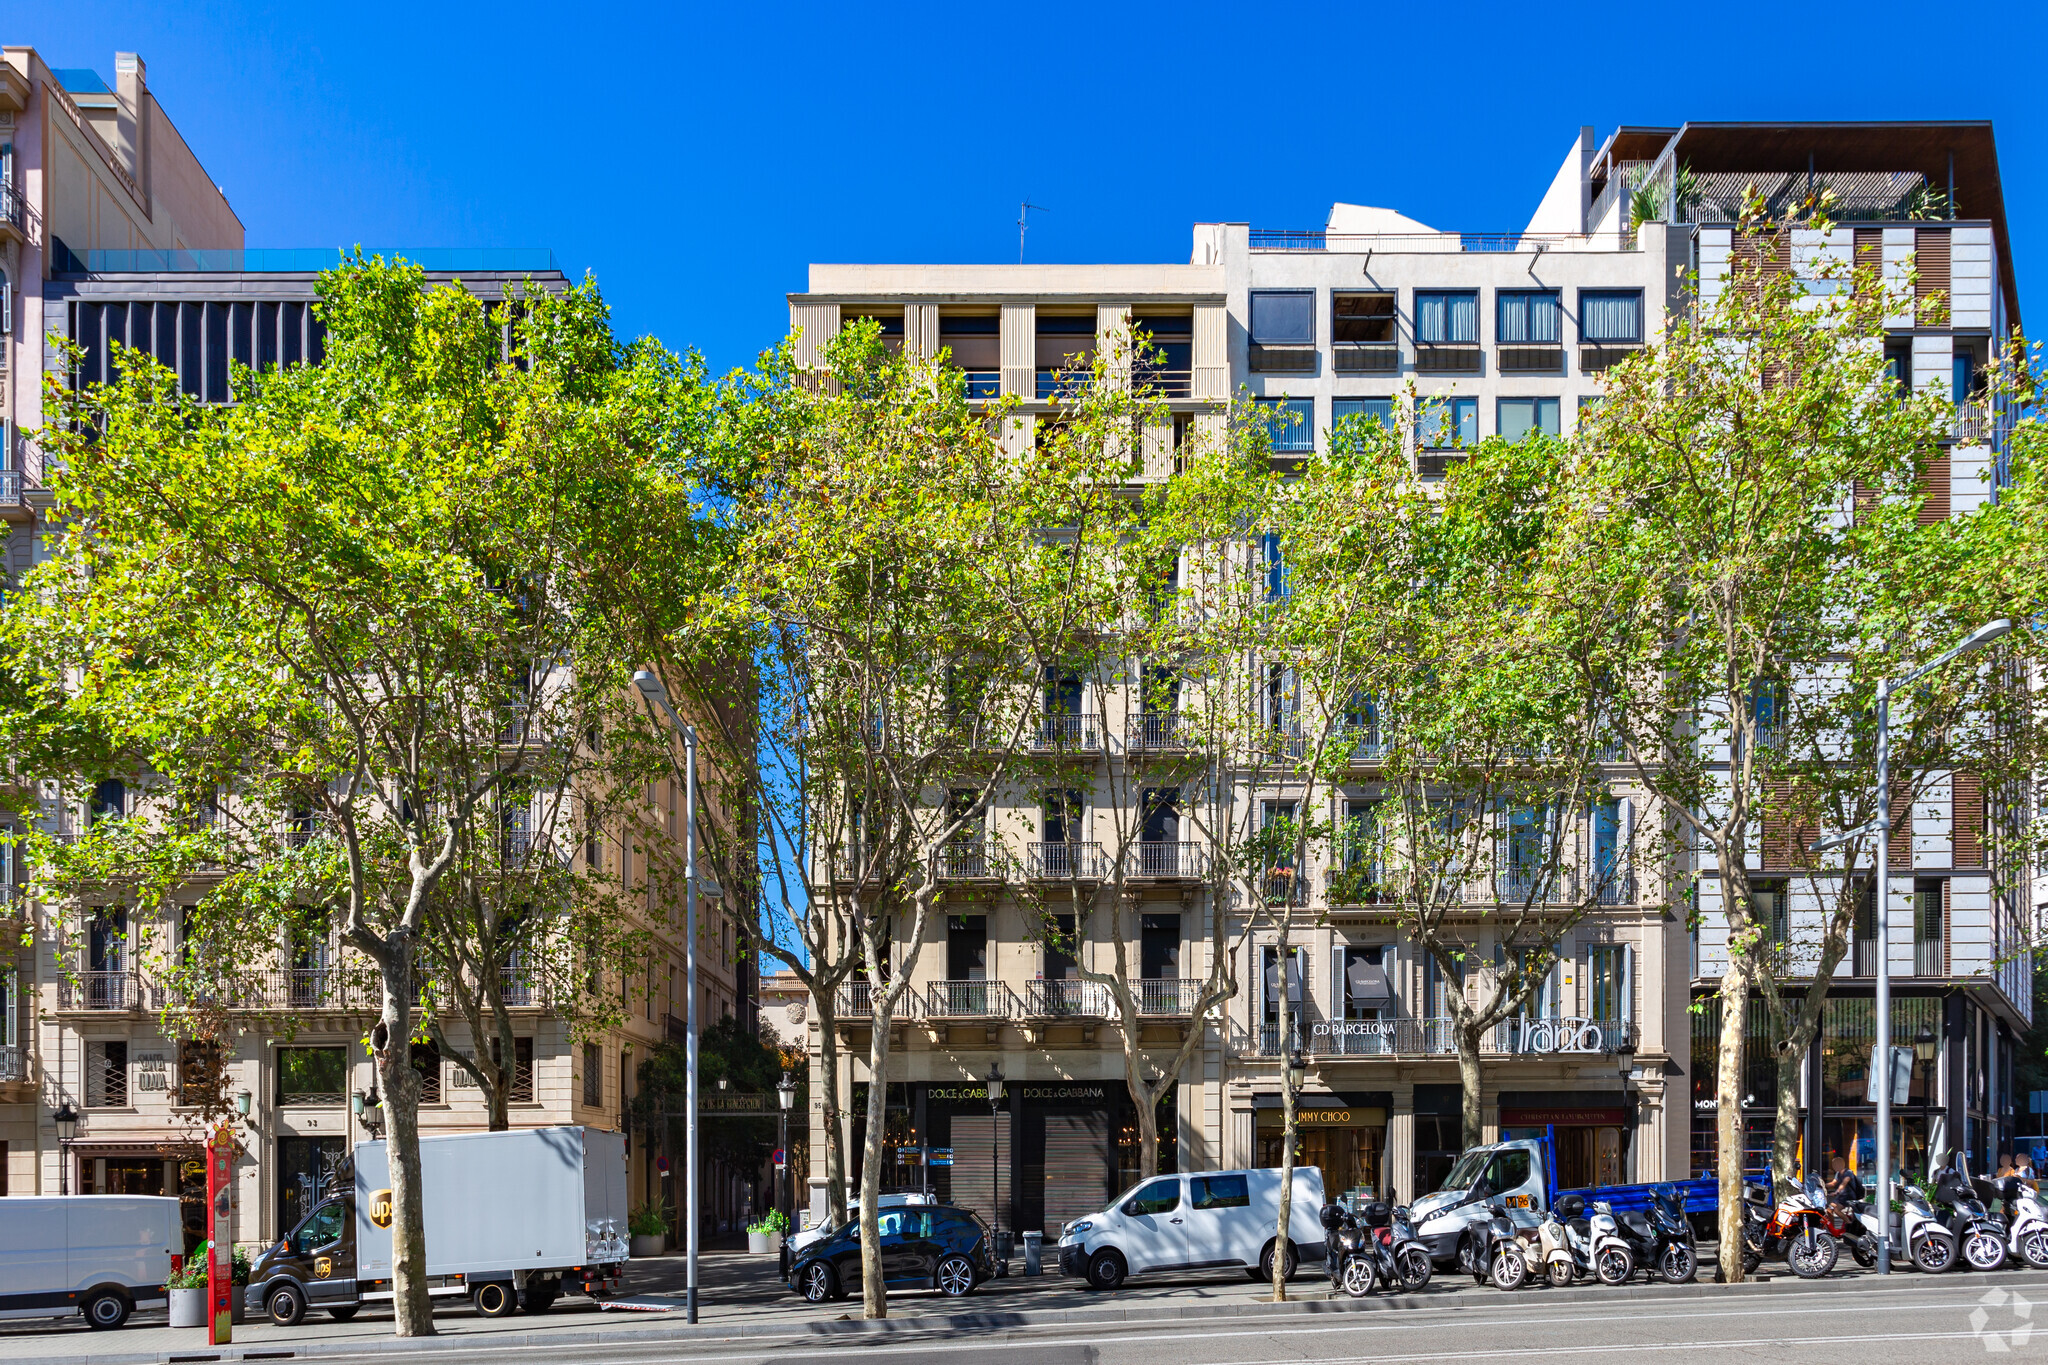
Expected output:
{"points": [[1501, 333], [82, 1001]]}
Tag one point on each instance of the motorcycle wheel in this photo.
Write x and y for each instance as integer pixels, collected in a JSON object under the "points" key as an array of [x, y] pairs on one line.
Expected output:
{"points": [[1811, 1254], [1615, 1265], [1678, 1264], [1468, 1256], [1864, 1249], [1358, 1276], [2035, 1250], [1934, 1254], [1416, 1269], [1984, 1251], [1510, 1269], [1560, 1274]]}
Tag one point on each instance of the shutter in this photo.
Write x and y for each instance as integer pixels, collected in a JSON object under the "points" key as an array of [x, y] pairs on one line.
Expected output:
{"points": [[978, 1138], [1931, 276], [1934, 501], [1777, 832], [1966, 820], [10, 984], [1076, 1167], [1389, 961], [1553, 1007], [1899, 847], [1628, 983], [1340, 985], [1870, 251]]}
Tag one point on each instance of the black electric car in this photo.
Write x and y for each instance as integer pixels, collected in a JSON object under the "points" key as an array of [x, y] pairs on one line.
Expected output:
{"points": [[926, 1246]]}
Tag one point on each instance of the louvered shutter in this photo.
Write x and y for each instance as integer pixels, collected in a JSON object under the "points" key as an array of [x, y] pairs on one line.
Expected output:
{"points": [[1628, 983], [1934, 486], [1966, 815], [1931, 276]]}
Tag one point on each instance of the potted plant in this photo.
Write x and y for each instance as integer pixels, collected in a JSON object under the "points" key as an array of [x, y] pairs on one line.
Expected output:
{"points": [[764, 1236], [187, 1289], [649, 1227]]}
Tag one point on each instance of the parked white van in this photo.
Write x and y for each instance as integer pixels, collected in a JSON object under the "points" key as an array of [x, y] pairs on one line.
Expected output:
{"points": [[1212, 1220], [103, 1255]]}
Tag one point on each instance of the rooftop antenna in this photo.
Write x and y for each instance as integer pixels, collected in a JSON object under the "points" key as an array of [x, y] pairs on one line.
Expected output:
{"points": [[1024, 213]]}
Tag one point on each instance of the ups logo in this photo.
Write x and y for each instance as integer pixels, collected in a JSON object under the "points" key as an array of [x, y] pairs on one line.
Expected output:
{"points": [[323, 1267], [380, 1208]]}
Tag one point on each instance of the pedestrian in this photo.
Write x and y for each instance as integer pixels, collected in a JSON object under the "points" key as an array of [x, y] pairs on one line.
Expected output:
{"points": [[2005, 1167]]}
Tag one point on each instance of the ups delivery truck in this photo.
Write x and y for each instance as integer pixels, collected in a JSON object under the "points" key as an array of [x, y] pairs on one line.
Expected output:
{"points": [[513, 1220]]}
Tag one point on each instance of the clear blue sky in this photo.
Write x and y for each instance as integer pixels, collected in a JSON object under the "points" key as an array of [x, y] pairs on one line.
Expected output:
{"points": [[696, 158]]}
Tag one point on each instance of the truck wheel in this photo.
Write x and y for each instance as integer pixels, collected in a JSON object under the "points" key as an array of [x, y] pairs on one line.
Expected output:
{"points": [[343, 1312], [1106, 1270], [496, 1299], [104, 1312], [1288, 1264], [537, 1300], [287, 1305]]}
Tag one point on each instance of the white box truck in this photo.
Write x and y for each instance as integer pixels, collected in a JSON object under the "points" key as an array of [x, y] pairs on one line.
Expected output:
{"points": [[1209, 1220], [103, 1255], [513, 1220]]}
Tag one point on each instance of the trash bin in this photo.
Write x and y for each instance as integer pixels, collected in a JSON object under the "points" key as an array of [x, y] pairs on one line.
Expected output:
{"points": [[1006, 1247], [1034, 1247]]}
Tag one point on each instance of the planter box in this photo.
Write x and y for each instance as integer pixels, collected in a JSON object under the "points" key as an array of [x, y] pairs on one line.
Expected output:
{"points": [[648, 1244], [188, 1308], [764, 1243]]}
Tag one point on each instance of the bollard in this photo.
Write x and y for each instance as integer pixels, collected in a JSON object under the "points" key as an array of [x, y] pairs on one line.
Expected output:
{"points": [[1034, 1246]]}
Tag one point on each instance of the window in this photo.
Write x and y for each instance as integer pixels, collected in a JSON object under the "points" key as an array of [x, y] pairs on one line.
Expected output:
{"points": [[593, 1075], [1609, 317], [1270, 982], [426, 1059], [1380, 410], [1443, 318], [1604, 995], [1159, 947], [1219, 1192], [1898, 362], [1358, 316], [322, 1228], [1161, 1196], [1607, 868], [1283, 317], [967, 947], [200, 1072], [1768, 907], [1058, 963], [1528, 317], [1290, 424], [1275, 566], [1444, 422], [1518, 417], [312, 1075], [1510, 1170], [1366, 989], [109, 801], [975, 344]]}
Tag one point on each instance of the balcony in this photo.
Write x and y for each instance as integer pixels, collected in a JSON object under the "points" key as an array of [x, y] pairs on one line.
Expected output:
{"points": [[966, 860], [1156, 732], [1930, 957], [982, 385], [1056, 732], [1358, 882], [517, 989], [1168, 997], [1368, 744], [1167, 861], [99, 991], [13, 213], [13, 1065], [968, 1001], [1055, 385], [1973, 424], [1284, 886], [1863, 957], [1526, 1037], [1065, 1000], [854, 1003], [1065, 862], [1618, 889], [1366, 357], [1529, 359], [1358, 1037], [1524, 888], [1163, 383], [1449, 357]]}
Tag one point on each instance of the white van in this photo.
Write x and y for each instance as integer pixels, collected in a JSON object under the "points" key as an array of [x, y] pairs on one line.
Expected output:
{"points": [[103, 1255], [1213, 1220]]}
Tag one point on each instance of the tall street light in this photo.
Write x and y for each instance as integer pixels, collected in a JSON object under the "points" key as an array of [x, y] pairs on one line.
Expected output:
{"points": [[995, 1176], [652, 688], [1881, 827], [67, 1128], [785, 1092]]}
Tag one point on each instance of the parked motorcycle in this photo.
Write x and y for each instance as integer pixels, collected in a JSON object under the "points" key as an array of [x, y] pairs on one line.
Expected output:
{"points": [[1411, 1253], [1802, 1231], [1375, 1249], [1660, 1237], [1979, 1233], [1502, 1250], [1575, 1245], [1923, 1236], [2026, 1221]]}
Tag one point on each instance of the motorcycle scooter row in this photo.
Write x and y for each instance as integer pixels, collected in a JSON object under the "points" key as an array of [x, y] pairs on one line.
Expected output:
{"points": [[1374, 1248]]}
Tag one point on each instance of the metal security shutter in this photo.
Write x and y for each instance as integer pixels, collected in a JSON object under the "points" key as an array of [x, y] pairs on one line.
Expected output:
{"points": [[973, 1185], [1076, 1167]]}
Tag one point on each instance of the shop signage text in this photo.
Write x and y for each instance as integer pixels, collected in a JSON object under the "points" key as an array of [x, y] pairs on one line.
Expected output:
{"points": [[1353, 1028]]}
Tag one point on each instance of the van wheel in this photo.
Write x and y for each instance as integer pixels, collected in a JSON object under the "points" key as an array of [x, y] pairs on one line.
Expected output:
{"points": [[105, 1311], [1106, 1270], [1287, 1266], [344, 1312], [496, 1299], [287, 1306]]}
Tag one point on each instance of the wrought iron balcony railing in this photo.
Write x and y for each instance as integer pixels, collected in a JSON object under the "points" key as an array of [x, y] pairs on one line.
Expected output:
{"points": [[1065, 862], [968, 1000], [1065, 1000], [1167, 997], [1168, 860]]}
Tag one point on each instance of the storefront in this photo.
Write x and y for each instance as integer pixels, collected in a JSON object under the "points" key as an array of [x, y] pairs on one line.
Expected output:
{"points": [[1053, 1152], [1592, 1127], [1342, 1134]]}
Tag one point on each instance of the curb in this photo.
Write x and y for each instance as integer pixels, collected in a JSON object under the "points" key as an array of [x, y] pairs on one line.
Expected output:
{"points": [[950, 1323]]}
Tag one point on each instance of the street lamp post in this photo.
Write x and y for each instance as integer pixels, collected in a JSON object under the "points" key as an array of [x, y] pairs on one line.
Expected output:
{"points": [[67, 1129], [785, 1094], [1925, 1046], [652, 688], [1881, 827], [995, 1155]]}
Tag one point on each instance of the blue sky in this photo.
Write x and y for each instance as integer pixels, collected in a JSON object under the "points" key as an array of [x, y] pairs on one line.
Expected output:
{"points": [[696, 158]]}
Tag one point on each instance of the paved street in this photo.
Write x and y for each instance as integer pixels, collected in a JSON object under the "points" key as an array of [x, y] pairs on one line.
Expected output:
{"points": [[1213, 1321]]}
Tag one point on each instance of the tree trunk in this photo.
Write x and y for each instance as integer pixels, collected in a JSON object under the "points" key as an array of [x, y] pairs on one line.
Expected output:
{"points": [[1785, 1124], [874, 1300], [1728, 1120], [1472, 1125], [1282, 1242], [391, 1043], [828, 1096]]}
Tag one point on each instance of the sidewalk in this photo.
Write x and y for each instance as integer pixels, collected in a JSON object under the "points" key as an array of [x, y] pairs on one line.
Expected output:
{"points": [[740, 1298]]}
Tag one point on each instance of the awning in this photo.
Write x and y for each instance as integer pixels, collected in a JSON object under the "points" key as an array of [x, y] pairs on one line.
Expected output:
{"points": [[1366, 985]]}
